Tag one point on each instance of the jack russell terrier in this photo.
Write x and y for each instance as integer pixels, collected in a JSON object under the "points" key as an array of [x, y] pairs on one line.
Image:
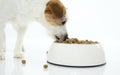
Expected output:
{"points": [[50, 13]]}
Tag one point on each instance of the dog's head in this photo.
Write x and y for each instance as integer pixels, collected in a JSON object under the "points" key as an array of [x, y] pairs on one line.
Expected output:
{"points": [[55, 15]]}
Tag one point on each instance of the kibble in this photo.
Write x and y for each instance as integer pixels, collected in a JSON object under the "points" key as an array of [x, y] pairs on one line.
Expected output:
{"points": [[76, 41], [23, 61], [45, 66]]}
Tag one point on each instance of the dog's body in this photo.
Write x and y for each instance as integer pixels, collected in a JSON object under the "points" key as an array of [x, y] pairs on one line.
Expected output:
{"points": [[21, 12]]}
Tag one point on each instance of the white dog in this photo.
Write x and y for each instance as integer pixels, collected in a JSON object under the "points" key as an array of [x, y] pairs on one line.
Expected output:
{"points": [[50, 13]]}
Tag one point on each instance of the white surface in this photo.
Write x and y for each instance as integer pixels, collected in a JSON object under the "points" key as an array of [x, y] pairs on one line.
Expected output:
{"points": [[35, 55], [88, 19], [76, 54]]}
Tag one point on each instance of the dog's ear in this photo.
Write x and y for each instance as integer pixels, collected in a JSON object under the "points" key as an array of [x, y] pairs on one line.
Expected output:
{"points": [[56, 8]]}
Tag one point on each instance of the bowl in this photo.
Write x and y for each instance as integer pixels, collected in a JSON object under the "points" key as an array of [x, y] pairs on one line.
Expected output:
{"points": [[76, 55]]}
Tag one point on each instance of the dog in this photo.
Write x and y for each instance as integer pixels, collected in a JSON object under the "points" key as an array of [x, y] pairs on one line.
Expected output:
{"points": [[50, 13]]}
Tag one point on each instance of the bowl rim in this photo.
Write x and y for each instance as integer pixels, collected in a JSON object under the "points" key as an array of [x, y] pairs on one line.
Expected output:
{"points": [[75, 43]]}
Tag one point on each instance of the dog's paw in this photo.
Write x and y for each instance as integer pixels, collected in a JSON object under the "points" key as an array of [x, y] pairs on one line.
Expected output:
{"points": [[2, 56], [18, 55]]}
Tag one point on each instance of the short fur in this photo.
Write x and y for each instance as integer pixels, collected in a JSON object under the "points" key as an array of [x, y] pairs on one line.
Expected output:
{"points": [[55, 12], [50, 13]]}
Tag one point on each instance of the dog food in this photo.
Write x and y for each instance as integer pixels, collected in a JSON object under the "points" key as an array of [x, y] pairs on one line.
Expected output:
{"points": [[45, 66], [76, 41], [23, 61]]}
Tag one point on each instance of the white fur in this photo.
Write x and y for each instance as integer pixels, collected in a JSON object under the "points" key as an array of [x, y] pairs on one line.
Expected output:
{"points": [[20, 12]]}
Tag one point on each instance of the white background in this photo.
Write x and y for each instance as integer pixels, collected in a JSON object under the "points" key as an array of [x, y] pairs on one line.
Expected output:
{"points": [[87, 19]]}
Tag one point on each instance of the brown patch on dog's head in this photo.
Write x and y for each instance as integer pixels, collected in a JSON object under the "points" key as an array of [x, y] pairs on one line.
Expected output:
{"points": [[57, 8], [55, 12]]}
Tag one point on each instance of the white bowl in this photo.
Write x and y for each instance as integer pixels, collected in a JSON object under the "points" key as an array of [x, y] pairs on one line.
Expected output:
{"points": [[76, 55]]}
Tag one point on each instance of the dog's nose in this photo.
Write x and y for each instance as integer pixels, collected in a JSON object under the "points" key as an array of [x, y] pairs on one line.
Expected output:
{"points": [[63, 37]]}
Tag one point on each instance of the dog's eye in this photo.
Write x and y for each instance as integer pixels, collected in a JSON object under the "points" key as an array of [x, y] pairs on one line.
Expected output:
{"points": [[63, 22]]}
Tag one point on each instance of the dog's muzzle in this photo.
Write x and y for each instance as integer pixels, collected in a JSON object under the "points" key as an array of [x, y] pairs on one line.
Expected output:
{"points": [[63, 37]]}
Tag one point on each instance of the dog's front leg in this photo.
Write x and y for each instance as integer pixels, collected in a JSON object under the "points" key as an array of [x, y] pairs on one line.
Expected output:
{"points": [[2, 42], [18, 51]]}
